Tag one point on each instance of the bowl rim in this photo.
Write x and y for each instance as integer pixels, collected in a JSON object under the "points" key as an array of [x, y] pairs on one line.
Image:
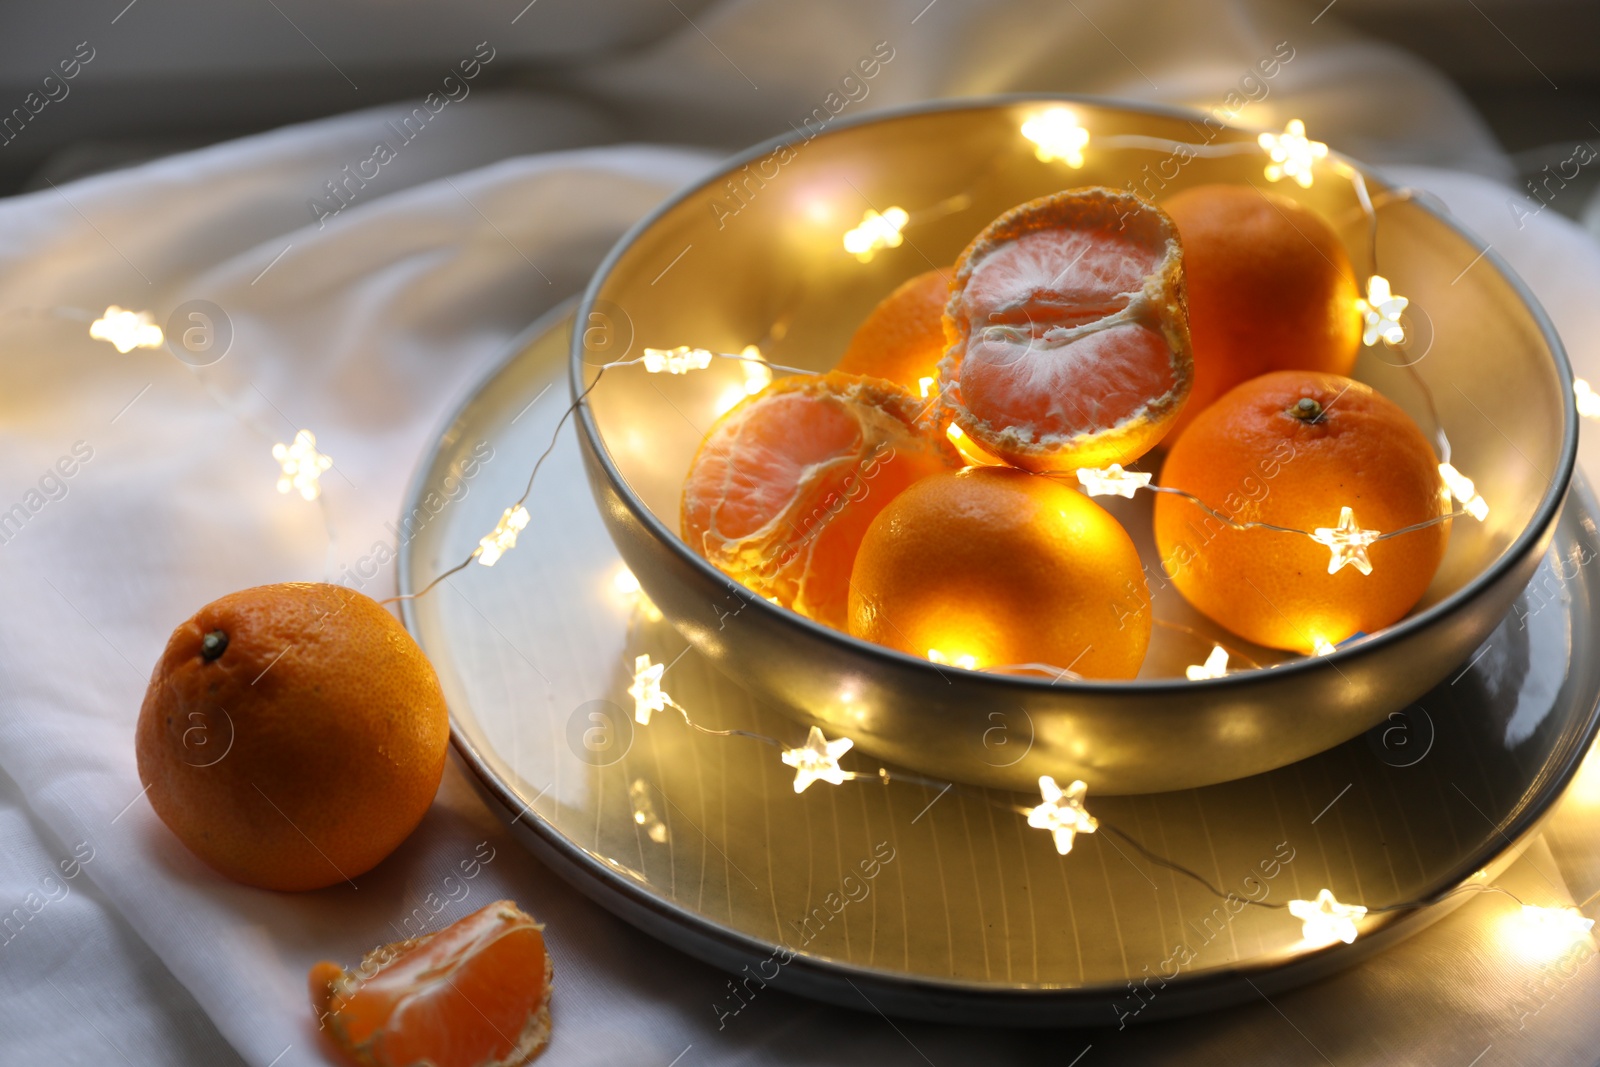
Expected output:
{"points": [[1544, 515]]}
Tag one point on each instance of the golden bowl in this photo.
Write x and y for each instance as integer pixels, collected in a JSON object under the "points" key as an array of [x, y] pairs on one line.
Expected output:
{"points": [[754, 254]]}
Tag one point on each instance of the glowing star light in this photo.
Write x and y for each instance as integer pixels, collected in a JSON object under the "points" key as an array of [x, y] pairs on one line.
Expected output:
{"points": [[757, 376], [1462, 489], [817, 760], [1324, 920], [1112, 481], [680, 360], [126, 330], [1062, 813], [1348, 543], [1588, 399], [503, 538], [876, 231], [302, 465], [1324, 647], [960, 659], [1293, 154], [634, 595], [1546, 933], [1381, 312], [646, 689], [1215, 666], [1056, 135]]}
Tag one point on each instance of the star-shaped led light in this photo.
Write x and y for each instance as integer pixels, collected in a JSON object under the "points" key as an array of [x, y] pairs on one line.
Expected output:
{"points": [[1112, 481], [1548, 933], [633, 594], [1062, 813], [646, 689], [1588, 399], [503, 538], [302, 465], [1324, 920], [680, 360], [1324, 647], [1348, 543], [1462, 489], [876, 232], [1293, 154], [126, 330], [1569, 921], [817, 760], [757, 375], [1215, 666], [1056, 135], [1381, 312]]}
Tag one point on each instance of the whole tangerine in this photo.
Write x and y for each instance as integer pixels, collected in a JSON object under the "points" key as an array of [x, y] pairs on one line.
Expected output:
{"points": [[902, 339], [1270, 288], [1293, 449], [292, 735], [1066, 330], [994, 566], [785, 483]]}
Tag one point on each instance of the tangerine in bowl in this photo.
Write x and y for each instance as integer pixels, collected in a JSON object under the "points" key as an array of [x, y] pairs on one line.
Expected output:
{"points": [[813, 539]]}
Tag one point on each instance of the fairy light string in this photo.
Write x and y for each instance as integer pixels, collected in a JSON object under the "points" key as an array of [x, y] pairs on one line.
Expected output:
{"points": [[1064, 814], [1055, 137]]}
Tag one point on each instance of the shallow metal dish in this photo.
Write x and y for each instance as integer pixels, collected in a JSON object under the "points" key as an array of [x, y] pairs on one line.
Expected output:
{"points": [[753, 254]]}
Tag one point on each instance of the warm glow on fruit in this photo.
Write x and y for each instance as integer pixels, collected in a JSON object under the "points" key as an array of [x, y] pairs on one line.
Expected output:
{"points": [[1342, 467], [1005, 567]]}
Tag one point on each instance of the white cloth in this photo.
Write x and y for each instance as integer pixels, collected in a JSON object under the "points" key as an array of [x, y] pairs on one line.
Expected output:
{"points": [[365, 328]]}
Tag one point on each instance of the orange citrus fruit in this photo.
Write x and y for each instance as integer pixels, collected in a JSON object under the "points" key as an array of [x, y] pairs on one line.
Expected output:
{"points": [[292, 735], [902, 339], [1270, 288], [1068, 344], [993, 566], [786, 482], [1293, 448], [474, 994]]}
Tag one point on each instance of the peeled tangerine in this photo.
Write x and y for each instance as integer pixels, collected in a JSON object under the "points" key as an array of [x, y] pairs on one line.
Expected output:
{"points": [[475, 994], [1068, 338], [1294, 448], [786, 482], [993, 566]]}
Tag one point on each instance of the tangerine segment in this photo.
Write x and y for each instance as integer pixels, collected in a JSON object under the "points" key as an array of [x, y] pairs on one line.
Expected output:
{"points": [[475, 994], [1068, 339], [1004, 567], [1258, 455], [786, 482], [902, 339], [1270, 288]]}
